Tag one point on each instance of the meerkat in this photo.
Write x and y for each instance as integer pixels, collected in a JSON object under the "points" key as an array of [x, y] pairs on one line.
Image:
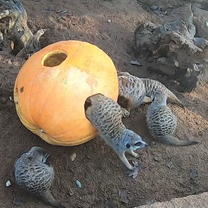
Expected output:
{"points": [[133, 91], [152, 86], [162, 122], [34, 174], [106, 115]]}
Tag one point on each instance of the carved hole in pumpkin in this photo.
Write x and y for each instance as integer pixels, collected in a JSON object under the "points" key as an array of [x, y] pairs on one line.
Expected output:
{"points": [[54, 58]]}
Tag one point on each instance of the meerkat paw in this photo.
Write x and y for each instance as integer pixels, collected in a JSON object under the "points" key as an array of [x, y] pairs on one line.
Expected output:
{"points": [[125, 113], [135, 171]]}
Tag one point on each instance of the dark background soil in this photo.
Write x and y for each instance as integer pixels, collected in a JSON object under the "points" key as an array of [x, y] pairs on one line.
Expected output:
{"points": [[171, 171]]}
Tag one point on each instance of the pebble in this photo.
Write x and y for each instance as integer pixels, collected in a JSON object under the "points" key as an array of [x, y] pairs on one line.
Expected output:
{"points": [[170, 164], [132, 62], [123, 196], [17, 201], [8, 183], [109, 21], [78, 183], [3, 100], [73, 156], [154, 7]]}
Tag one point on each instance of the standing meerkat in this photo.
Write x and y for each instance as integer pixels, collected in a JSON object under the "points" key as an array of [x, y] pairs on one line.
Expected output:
{"points": [[106, 115], [162, 122], [133, 91], [34, 174]]}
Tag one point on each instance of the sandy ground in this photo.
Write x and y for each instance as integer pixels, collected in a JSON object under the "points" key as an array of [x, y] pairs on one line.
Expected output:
{"points": [[171, 171]]}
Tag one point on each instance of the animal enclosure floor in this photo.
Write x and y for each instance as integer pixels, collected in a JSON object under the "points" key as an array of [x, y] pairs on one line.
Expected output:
{"points": [[170, 171]]}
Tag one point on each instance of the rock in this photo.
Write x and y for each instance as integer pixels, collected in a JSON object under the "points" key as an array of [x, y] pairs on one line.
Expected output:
{"points": [[123, 196], [192, 201], [8, 183], [170, 165], [173, 48], [78, 183], [154, 7], [135, 63], [194, 174], [200, 21], [17, 201], [73, 156]]}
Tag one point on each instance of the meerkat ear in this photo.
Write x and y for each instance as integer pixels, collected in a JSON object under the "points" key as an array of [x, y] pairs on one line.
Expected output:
{"points": [[128, 146], [87, 103]]}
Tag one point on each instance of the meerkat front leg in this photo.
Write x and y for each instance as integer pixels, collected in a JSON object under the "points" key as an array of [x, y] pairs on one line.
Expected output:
{"points": [[132, 170], [134, 154], [123, 158]]}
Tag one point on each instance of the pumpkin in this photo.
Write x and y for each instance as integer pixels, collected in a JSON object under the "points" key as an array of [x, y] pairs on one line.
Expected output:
{"points": [[52, 86]]}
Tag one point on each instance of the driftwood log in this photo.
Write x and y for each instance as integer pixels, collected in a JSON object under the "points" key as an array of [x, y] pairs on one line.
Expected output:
{"points": [[173, 49], [24, 42]]}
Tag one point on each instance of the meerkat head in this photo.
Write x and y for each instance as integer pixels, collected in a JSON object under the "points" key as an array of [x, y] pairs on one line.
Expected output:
{"points": [[38, 153], [133, 141], [159, 98]]}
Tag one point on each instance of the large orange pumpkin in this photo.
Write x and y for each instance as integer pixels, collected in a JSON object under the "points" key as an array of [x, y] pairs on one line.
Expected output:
{"points": [[52, 86]]}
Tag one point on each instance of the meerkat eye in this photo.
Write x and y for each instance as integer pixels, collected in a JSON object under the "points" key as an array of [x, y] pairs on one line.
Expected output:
{"points": [[138, 144], [128, 146]]}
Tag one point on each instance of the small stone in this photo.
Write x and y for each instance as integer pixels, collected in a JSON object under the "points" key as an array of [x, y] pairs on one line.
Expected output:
{"points": [[170, 164], [70, 192], [123, 196], [17, 201], [193, 174], [3, 100], [10, 62], [176, 63], [158, 159], [109, 21], [73, 156], [207, 24], [154, 7], [78, 183], [132, 62], [8, 183], [16, 63]]}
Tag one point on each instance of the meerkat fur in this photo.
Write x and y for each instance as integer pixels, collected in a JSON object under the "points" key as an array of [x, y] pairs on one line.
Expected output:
{"points": [[162, 122], [106, 115], [34, 174]]}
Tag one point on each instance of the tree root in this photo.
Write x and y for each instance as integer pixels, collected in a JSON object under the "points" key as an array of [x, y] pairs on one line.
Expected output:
{"points": [[22, 39]]}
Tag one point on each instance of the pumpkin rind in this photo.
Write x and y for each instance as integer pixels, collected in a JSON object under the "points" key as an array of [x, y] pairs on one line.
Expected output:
{"points": [[50, 100]]}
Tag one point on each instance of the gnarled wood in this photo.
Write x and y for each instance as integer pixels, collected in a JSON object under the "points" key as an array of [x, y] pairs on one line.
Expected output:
{"points": [[17, 31]]}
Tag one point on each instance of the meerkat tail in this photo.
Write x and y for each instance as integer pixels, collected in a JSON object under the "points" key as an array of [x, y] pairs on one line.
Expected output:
{"points": [[173, 98], [154, 85], [173, 141], [49, 199]]}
